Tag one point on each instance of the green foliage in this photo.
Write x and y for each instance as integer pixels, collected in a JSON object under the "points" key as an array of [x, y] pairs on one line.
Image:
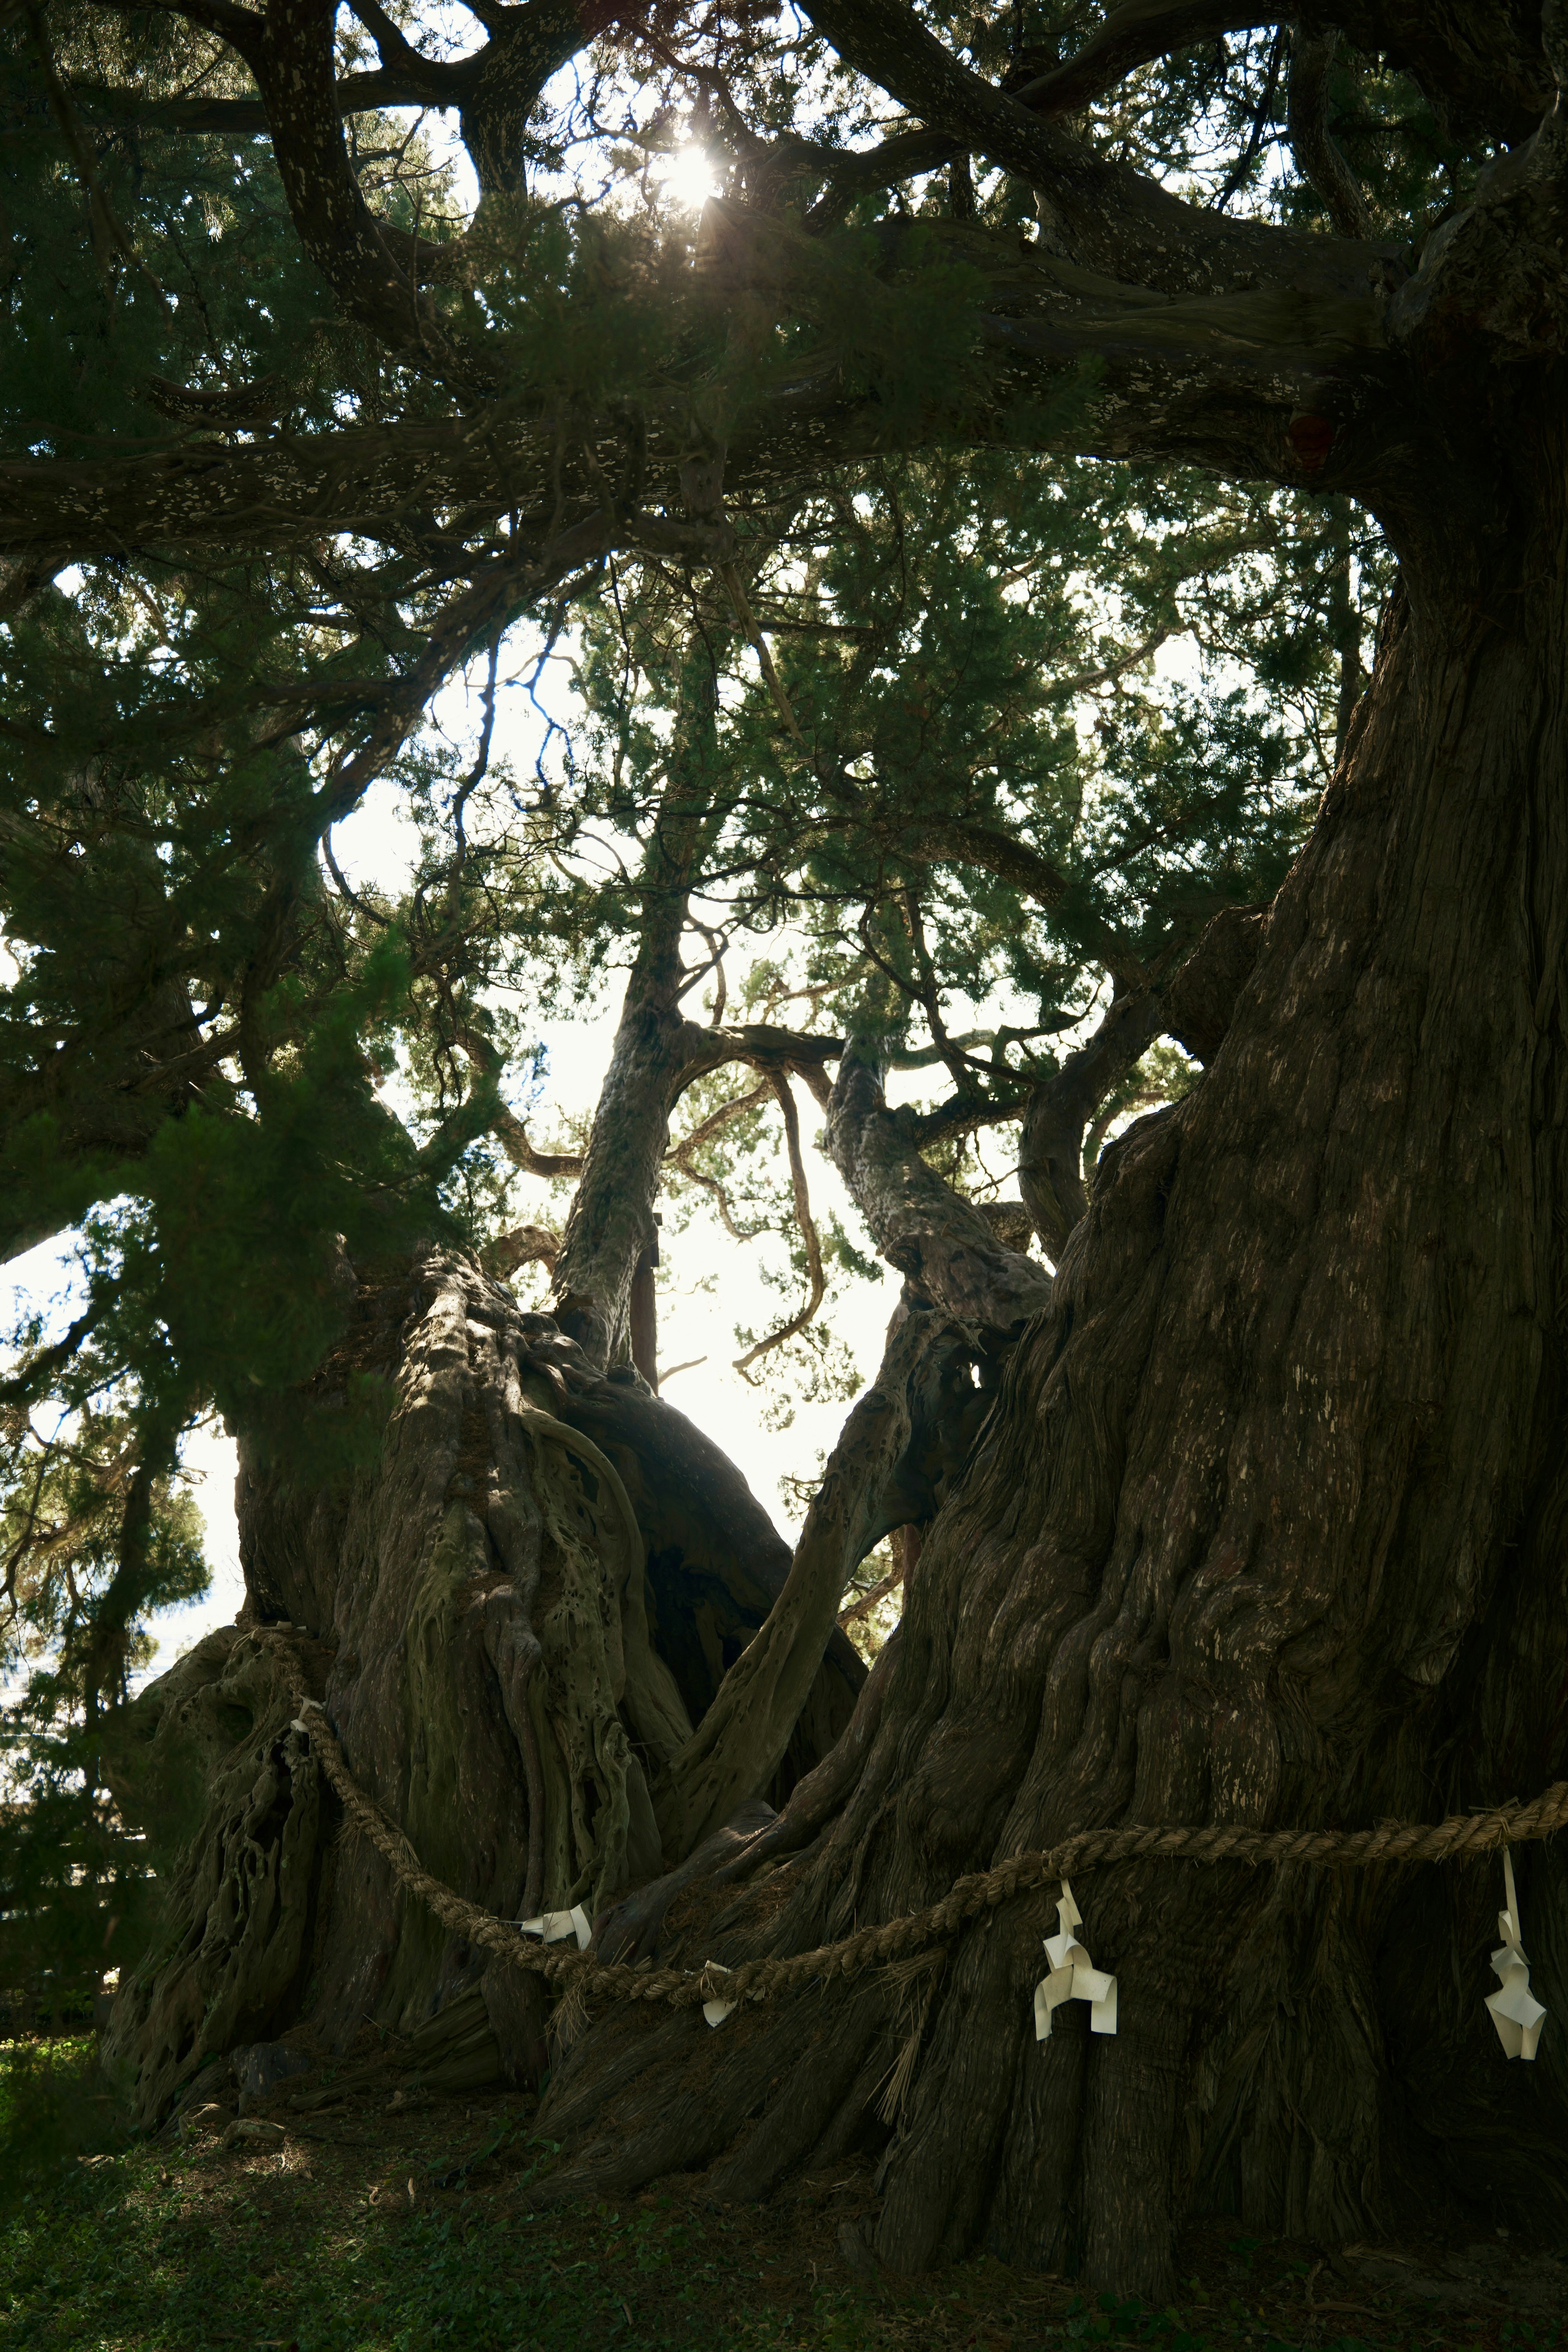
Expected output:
{"points": [[55, 2112], [177, 2245], [230, 1074]]}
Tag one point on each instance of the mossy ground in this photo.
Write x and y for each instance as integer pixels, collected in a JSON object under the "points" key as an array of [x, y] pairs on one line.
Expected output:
{"points": [[402, 2219]]}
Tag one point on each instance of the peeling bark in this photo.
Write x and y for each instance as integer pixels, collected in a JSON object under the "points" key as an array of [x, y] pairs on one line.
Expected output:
{"points": [[501, 1648], [212, 1736]]}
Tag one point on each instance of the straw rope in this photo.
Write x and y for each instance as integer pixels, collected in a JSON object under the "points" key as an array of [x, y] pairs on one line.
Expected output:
{"points": [[763, 1980]]}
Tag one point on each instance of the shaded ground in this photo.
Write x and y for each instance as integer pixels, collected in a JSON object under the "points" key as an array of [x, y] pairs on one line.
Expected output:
{"points": [[387, 2218]]}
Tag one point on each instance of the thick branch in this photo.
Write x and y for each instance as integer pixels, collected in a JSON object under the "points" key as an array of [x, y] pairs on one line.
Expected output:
{"points": [[1050, 1155], [1014, 861], [761, 1045], [737, 1746], [1114, 220], [293, 65], [1482, 66], [1319, 161], [505, 1125], [611, 1222], [1201, 997], [942, 1243], [1212, 382], [1130, 36], [522, 1245]]}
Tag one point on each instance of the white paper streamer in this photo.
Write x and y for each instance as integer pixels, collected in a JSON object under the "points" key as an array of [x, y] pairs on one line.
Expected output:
{"points": [[1073, 1976], [554, 1927], [716, 2011], [1516, 2013]]}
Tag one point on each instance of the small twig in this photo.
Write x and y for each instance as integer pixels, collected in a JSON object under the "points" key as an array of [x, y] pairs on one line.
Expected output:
{"points": [[759, 645], [808, 1234]]}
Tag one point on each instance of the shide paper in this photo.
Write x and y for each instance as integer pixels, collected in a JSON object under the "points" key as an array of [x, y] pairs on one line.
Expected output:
{"points": [[554, 1927], [1073, 1976], [716, 2011], [1516, 2013]]}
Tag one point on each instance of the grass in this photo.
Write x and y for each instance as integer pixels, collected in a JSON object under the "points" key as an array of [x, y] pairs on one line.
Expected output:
{"points": [[396, 2225]]}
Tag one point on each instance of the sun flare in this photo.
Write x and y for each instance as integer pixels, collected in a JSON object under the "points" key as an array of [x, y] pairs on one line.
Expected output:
{"points": [[689, 177]]}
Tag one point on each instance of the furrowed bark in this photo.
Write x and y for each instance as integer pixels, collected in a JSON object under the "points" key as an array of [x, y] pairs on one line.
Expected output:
{"points": [[1264, 1528], [864, 1492], [754, 1834], [716, 1564], [504, 1643], [1200, 998]]}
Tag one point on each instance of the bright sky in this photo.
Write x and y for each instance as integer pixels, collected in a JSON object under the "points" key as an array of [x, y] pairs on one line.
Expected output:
{"points": [[708, 1283]]}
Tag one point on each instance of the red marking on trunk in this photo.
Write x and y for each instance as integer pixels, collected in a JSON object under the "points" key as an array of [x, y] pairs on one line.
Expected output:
{"points": [[1310, 439]]}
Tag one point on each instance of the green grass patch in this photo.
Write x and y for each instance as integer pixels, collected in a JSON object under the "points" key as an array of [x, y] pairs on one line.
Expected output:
{"points": [[398, 2226]]}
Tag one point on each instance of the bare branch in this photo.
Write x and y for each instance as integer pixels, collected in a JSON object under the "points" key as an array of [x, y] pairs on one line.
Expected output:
{"points": [[808, 1234], [1319, 161]]}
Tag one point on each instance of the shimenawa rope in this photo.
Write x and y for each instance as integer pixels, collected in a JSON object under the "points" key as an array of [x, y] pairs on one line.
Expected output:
{"points": [[763, 1980]]}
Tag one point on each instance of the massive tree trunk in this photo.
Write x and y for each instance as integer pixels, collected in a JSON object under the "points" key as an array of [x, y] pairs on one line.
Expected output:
{"points": [[1262, 1525], [517, 1619], [1265, 1527], [1263, 1522]]}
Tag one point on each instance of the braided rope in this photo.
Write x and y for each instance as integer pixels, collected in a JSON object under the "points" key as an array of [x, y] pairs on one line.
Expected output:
{"points": [[983, 1890]]}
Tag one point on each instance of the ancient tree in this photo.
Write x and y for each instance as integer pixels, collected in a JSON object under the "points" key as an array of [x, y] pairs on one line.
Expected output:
{"points": [[1247, 1508]]}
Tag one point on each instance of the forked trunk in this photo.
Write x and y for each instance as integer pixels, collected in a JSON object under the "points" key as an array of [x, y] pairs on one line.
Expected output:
{"points": [[515, 1621], [1265, 1527]]}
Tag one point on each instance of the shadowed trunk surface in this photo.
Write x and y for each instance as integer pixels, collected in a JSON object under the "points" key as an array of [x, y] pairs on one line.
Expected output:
{"points": [[513, 1644], [1261, 1525], [1266, 1527]]}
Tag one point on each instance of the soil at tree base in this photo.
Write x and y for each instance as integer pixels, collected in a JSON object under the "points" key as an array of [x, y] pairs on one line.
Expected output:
{"points": [[395, 2218]]}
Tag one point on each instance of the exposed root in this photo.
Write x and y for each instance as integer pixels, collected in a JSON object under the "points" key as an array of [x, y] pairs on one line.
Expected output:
{"points": [[497, 1685], [241, 1897]]}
